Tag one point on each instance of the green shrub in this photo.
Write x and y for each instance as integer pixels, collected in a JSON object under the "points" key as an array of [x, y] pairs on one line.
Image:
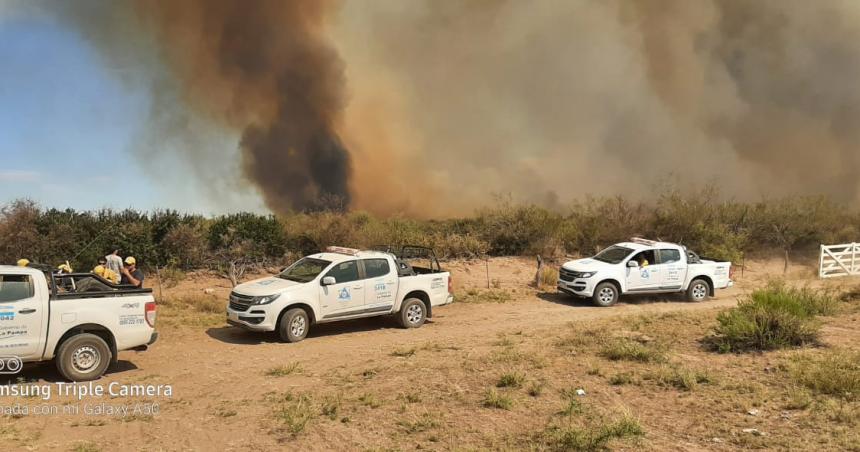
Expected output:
{"points": [[773, 317]]}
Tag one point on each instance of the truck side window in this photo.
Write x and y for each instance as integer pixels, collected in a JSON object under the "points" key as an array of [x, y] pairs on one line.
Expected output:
{"points": [[16, 287], [344, 272], [376, 267], [645, 256], [669, 256]]}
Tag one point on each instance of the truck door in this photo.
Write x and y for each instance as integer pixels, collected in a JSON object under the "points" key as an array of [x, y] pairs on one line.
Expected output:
{"points": [[672, 269], [22, 308], [645, 277], [347, 294], [380, 285]]}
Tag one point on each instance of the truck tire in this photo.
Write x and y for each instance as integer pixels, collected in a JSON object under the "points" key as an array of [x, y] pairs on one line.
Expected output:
{"points": [[605, 294], [412, 314], [294, 325], [83, 357], [699, 290]]}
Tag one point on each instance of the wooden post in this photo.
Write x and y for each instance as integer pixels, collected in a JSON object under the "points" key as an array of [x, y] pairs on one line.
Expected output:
{"points": [[487, 263], [160, 291], [539, 268]]}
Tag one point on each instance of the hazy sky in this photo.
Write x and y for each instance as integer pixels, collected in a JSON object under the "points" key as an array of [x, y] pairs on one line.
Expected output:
{"points": [[65, 122]]}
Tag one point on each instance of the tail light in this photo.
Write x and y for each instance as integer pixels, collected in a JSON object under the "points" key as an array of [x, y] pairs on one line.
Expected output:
{"points": [[149, 311], [450, 284]]}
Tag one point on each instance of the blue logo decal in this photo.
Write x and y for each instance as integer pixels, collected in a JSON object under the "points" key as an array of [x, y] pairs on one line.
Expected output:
{"points": [[379, 286], [7, 315], [344, 294], [644, 273]]}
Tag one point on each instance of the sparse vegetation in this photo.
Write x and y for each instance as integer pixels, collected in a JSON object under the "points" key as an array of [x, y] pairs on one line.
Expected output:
{"points": [[485, 296], [496, 399], [835, 373], [284, 370], [294, 412], [511, 380], [624, 349], [679, 377], [404, 352], [773, 317], [592, 437]]}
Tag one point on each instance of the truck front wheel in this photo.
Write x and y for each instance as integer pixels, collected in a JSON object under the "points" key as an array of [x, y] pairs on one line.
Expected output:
{"points": [[605, 294], [698, 290], [294, 325], [412, 314], [83, 357]]}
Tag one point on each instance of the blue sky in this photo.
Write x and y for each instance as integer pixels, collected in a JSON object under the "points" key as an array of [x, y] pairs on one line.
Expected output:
{"points": [[67, 122]]}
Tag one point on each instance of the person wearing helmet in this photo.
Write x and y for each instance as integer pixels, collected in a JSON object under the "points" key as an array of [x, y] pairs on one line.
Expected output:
{"points": [[102, 270], [131, 275], [23, 262]]}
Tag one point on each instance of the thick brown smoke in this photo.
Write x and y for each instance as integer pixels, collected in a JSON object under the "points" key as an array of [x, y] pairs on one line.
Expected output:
{"points": [[430, 107], [555, 99]]}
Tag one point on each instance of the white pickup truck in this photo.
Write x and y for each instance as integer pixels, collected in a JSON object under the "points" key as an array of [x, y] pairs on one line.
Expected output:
{"points": [[43, 316], [643, 267], [341, 284]]}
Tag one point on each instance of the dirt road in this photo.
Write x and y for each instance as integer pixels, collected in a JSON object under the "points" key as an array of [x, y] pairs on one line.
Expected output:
{"points": [[224, 390]]}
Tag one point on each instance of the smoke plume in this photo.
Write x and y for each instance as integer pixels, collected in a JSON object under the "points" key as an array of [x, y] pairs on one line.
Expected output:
{"points": [[430, 107]]}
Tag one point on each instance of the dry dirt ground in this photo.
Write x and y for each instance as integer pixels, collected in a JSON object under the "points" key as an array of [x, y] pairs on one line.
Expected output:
{"points": [[497, 373]]}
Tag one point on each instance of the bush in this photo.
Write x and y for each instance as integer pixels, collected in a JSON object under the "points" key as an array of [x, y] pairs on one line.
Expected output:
{"points": [[773, 317]]}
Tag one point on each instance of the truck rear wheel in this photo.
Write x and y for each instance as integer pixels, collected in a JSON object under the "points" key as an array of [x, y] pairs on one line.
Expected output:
{"points": [[294, 325], [412, 314], [699, 290], [605, 294], [83, 357]]}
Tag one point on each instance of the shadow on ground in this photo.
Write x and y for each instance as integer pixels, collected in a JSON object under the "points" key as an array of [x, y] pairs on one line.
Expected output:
{"points": [[568, 300], [238, 336], [46, 371]]}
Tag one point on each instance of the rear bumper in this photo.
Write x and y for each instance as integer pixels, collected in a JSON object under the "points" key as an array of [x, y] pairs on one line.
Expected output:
{"points": [[145, 347]]}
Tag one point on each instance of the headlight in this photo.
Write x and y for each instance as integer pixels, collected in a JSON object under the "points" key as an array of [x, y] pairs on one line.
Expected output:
{"points": [[586, 274], [267, 299]]}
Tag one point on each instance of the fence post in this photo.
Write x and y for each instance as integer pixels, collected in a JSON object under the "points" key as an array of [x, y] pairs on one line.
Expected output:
{"points": [[821, 262]]}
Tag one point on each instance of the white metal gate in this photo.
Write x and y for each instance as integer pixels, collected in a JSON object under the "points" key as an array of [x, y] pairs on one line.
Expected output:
{"points": [[839, 260]]}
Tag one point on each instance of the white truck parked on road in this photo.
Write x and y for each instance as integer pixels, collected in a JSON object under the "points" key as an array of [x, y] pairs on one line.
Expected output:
{"points": [[643, 267], [43, 317], [341, 284]]}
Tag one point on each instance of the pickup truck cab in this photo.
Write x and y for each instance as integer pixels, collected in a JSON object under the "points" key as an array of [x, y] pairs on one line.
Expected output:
{"points": [[643, 267], [44, 317], [339, 284]]}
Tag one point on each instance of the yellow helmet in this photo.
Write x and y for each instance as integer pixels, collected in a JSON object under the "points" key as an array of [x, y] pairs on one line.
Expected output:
{"points": [[23, 262], [130, 260]]}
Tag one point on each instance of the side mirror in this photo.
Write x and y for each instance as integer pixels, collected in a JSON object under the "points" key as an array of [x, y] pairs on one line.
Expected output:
{"points": [[632, 264], [328, 281]]}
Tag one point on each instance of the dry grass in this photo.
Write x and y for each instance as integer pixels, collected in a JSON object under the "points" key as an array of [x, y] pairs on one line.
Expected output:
{"points": [[485, 296], [835, 373], [284, 370]]}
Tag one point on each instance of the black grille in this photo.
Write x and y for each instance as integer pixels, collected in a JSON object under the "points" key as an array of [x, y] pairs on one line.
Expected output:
{"points": [[240, 302], [567, 275]]}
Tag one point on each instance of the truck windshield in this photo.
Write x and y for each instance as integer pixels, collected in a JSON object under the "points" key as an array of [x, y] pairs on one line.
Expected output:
{"points": [[304, 270], [613, 254]]}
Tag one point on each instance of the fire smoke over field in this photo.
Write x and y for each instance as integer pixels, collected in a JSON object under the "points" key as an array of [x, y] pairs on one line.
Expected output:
{"points": [[430, 106]]}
